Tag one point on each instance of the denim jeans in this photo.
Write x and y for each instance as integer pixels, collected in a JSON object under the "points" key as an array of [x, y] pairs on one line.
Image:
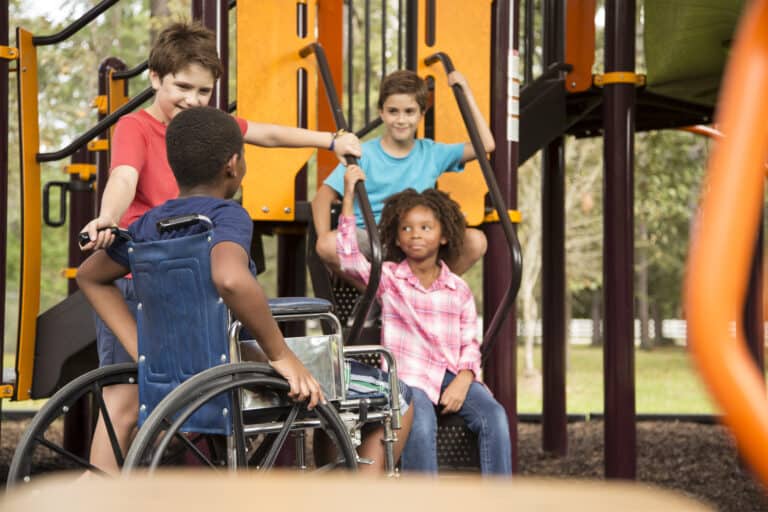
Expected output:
{"points": [[482, 414]]}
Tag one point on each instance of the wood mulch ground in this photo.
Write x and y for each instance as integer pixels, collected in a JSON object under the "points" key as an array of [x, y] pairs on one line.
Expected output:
{"points": [[697, 460]]}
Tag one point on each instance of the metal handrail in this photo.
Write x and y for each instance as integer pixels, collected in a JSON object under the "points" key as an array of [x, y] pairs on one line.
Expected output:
{"points": [[75, 27], [130, 73], [360, 195], [498, 202], [97, 128]]}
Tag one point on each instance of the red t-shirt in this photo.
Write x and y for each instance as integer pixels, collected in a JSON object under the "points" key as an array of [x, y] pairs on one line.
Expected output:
{"points": [[139, 141]]}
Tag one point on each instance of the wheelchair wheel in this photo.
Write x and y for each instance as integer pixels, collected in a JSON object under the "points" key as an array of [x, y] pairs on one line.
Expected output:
{"points": [[42, 449], [258, 435]]}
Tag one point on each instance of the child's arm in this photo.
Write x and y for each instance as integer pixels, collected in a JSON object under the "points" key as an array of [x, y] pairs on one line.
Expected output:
{"points": [[275, 135], [118, 195], [243, 295], [352, 261], [485, 132], [454, 395], [96, 277], [321, 209]]}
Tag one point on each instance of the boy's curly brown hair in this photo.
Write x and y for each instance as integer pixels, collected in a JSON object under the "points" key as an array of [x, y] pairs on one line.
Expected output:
{"points": [[447, 213]]}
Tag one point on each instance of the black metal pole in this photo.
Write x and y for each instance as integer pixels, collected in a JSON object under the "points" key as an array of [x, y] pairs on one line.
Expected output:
{"points": [[500, 369], [753, 310], [4, 13], [72, 29], [214, 14], [553, 285], [618, 248]]}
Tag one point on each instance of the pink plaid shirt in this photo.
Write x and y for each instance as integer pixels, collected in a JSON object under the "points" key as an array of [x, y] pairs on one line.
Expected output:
{"points": [[428, 331]]}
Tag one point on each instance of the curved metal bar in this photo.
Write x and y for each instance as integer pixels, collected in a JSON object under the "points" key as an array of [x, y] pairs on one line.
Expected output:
{"points": [[723, 241], [498, 202], [360, 195], [71, 30], [97, 128], [130, 73], [368, 128]]}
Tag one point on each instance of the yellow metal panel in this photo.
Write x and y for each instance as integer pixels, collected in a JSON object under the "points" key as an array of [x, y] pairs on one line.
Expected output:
{"points": [[8, 53], [268, 63], [514, 216], [85, 171], [69, 272], [98, 145], [6, 391], [100, 103], [466, 39], [31, 242]]}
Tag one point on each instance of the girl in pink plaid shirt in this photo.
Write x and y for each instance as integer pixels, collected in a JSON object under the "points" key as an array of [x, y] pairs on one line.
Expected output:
{"points": [[429, 321]]}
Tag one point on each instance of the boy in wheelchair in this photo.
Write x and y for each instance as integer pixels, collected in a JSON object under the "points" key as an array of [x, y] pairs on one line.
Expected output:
{"points": [[205, 151]]}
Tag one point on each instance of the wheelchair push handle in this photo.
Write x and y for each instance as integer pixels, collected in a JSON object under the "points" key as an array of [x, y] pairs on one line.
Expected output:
{"points": [[182, 221], [83, 238]]}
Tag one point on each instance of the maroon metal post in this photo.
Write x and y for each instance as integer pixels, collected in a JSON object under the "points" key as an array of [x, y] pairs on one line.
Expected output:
{"points": [[102, 159], [214, 14], [618, 230], [500, 371], [82, 208], [553, 285], [3, 176], [753, 310]]}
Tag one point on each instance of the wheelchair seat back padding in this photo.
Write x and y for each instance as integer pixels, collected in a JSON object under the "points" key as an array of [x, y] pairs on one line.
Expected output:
{"points": [[182, 324]]}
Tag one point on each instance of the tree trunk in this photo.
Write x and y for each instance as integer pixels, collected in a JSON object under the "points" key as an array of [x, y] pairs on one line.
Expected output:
{"points": [[641, 285], [597, 318]]}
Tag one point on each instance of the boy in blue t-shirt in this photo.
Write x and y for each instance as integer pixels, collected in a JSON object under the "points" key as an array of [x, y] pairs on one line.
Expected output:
{"points": [[398, 160], [205, 152]]}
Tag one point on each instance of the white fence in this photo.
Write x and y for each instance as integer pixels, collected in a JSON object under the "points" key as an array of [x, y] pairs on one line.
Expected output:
{"points": [[580, 330]]}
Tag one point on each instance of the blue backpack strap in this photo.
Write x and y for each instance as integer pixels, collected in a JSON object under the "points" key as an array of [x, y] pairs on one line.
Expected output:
{"points": [[182, 324]]}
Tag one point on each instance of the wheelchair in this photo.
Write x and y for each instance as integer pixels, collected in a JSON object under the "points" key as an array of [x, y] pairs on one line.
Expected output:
{"points": [[202, 403]]}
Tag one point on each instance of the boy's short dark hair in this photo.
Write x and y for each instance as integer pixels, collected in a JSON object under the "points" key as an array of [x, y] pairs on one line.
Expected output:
{"points": [[181, 44], [404, 82], [199, 142]]}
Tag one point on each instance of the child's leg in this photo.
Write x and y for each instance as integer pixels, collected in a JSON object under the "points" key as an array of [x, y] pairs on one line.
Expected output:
{"points": [[474, 247], [488, 419], [122, 402], [373, 447], [420, 452]]}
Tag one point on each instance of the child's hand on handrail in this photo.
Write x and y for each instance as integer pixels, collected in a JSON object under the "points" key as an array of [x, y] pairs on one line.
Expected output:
{"points": [[346, 143], [353, 174], [303, 384]]}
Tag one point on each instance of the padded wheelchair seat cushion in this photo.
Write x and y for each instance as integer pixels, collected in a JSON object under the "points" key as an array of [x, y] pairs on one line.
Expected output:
{"points": [[299, 306]]}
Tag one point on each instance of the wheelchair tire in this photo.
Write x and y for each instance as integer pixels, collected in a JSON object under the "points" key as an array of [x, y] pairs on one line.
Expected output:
{"points": [[161, 430], [43, 438]]}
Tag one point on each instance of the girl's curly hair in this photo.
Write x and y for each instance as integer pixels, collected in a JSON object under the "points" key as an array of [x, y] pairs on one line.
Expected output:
{"points": [[447, 213]]}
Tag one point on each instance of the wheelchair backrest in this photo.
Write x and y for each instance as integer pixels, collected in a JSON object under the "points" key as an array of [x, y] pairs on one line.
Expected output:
{"points": [[182, 324]]}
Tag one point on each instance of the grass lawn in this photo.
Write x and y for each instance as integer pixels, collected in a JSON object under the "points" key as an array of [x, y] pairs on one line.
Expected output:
{"points": [[664, 382]]}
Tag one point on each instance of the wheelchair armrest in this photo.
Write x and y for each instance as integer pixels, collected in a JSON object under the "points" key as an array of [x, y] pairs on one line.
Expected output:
{"points": [[299, 306]]}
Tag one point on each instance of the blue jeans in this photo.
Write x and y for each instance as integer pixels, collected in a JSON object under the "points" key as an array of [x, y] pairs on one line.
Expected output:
{"points": [[483, 416]]}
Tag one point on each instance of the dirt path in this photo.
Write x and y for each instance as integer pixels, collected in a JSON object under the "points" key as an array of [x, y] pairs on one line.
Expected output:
{"points": [[699, 460]]}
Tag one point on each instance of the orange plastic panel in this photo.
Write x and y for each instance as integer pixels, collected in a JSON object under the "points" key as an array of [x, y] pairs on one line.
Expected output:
{"points": [[723, 240], [579, 43], [31, 215], [463, 32], [330, 22], [268, 63]]}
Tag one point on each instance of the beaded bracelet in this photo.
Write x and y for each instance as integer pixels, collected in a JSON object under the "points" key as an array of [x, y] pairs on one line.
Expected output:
{"points": [[334, 137]]}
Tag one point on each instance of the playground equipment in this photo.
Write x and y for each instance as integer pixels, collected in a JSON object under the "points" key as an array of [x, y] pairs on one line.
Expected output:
{"points": [[725, 239], [276, 200]]}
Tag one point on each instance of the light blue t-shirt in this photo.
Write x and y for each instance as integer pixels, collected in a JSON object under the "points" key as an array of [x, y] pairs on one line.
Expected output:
{"points": [[386, 175]]}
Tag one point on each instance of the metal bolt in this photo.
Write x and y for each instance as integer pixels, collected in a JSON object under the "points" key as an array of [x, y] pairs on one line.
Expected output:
{"points": [[265, 209], [210, 238], [220, 300], [65, 408], [140, 306], [131, 380], [573, 84], [223, 358], [224, 411], [143, 407], [142, 359], [287, 209], [26, 479]]}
